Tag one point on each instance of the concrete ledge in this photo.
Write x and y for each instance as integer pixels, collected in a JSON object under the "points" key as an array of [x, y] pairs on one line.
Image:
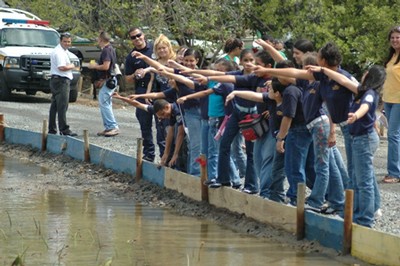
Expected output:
{"points": [[328, 231], [24, 137], [374, 246], [188, 185]]}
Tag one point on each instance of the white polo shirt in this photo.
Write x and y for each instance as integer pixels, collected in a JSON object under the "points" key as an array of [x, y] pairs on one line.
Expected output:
{"points": [[60, 57]]}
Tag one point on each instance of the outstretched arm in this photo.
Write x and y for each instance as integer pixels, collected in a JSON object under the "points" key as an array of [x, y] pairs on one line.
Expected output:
{"points": [[275, 54], [283, 72], [179, 78], [223, 79], [150, 61], [151, 95], [336, 76], [361, 111], [128, 100], [196, 95], [248, 95]]}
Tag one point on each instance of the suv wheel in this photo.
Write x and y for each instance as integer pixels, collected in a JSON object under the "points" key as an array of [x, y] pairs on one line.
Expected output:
{"points": [[5, 93], [73, 94]]}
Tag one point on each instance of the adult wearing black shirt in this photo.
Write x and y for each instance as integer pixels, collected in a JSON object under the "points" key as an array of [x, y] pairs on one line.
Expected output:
{"points": [[134, 72]]}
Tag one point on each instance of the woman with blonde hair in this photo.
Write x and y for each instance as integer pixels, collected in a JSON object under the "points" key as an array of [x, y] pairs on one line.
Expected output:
{"points": [[163, 49]]}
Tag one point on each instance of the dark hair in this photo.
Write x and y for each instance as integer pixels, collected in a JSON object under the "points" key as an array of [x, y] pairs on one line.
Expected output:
{"points": [[231, 44], [330, 52], [267, 37], [304, 45], [277, 86], [392, 51], [159, 104], [133, 29], [229, 65], [265, 57], [245, 52], [310, 58], [284, 64], [193, 52], [105, 36], [373, 80], [65, 35]]}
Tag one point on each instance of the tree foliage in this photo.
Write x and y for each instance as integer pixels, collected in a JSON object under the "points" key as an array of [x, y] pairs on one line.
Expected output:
{"points": [[358, 27]]}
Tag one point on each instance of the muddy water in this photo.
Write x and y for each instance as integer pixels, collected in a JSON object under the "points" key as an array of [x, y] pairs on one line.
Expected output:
{"points": [[58, 227]]}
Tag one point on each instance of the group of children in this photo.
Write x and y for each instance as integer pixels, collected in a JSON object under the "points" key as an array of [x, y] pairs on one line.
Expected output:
{"points": [[301, 106]]}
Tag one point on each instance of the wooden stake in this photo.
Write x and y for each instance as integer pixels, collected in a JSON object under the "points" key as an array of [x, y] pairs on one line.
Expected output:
{"points": [[86, 145], [2, 127], [139, 160], [203, 177], [348, 221], [44, 135], [301, 199]]}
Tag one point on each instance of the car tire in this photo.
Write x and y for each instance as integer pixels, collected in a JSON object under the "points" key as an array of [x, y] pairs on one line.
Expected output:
{"points": [[5, 92], [73, 95]]}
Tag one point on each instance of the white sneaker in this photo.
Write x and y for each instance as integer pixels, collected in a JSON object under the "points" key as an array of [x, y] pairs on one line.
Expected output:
{"points": [[378, 214]]}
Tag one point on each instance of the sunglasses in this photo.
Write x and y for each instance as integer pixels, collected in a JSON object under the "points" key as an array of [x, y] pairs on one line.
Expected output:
{"points": [[137, 36]]}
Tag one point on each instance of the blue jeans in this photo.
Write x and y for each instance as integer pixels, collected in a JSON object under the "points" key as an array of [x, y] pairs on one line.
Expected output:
{"points": [[273, 187], [324, 174], [347, 145], [204, 137], [213, 150], [337, 157], [231, 129], [335, 192], [298, 166], [392, 112], [365, 192], [105, 104], [264, 148], [238, 155], [193, 123]]}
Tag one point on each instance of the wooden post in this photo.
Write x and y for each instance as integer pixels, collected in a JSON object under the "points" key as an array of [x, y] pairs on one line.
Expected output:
{"points": [[301, 199], [44, 135], [203, 177], [80, 84], [1, 127], [86, 145], [348, 221], [139, 159]]}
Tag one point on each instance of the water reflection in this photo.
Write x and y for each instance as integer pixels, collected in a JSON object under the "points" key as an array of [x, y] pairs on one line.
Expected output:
{"points": [[73, 227]]}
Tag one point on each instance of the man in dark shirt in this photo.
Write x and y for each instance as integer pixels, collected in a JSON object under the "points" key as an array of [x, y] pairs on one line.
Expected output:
{"points": [[134, 73]]}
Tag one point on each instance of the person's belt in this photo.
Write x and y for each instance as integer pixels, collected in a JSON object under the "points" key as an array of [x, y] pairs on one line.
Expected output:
{"points": [[246, 109], [316, 120], [58, 77]]}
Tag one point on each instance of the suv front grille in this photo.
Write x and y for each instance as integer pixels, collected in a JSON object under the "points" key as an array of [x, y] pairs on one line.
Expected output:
{"points": [[35, 62]]}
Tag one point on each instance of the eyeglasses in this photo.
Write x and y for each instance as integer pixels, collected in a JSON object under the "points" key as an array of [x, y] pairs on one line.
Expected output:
{"points": [[137, 36]]}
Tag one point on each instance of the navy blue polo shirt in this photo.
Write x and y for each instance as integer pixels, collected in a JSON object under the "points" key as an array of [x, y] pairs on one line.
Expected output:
{"points": [[132, 64], [291, 105], [364, 124], [337, 98], [242, 84], [275, 114], [312, 100], [107, 54], [176, 116]]}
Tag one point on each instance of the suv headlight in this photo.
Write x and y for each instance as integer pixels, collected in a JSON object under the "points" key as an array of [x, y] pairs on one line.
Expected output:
{"points": [[77, 64], [11, 62]]}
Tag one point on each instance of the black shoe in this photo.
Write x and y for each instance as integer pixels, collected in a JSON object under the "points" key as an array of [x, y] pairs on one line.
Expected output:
{"points": [[148, 159], [236, 186], [69, 133], [218, 185], [209, 182], [311, 208], [248, 191]]}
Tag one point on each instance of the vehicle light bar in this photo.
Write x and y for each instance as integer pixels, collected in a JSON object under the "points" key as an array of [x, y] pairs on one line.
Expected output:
{"points": [[25, 21]]}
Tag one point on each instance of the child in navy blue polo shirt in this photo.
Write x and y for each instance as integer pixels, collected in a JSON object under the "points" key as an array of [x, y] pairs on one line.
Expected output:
{"points": [[364, 139]]}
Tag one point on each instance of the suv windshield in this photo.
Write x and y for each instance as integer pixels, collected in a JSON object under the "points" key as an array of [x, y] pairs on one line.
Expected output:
{"points": [[28, 37]]}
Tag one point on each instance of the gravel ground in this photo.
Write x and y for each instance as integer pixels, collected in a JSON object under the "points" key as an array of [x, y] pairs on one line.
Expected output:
{"points": [[29, 112]]}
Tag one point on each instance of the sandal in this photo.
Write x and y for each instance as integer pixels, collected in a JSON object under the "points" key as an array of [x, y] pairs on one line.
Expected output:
{"points": [[390, 179]]}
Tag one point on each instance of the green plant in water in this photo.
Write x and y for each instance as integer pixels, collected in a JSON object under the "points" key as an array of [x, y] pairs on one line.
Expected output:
{"points": [[19, 260]]}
